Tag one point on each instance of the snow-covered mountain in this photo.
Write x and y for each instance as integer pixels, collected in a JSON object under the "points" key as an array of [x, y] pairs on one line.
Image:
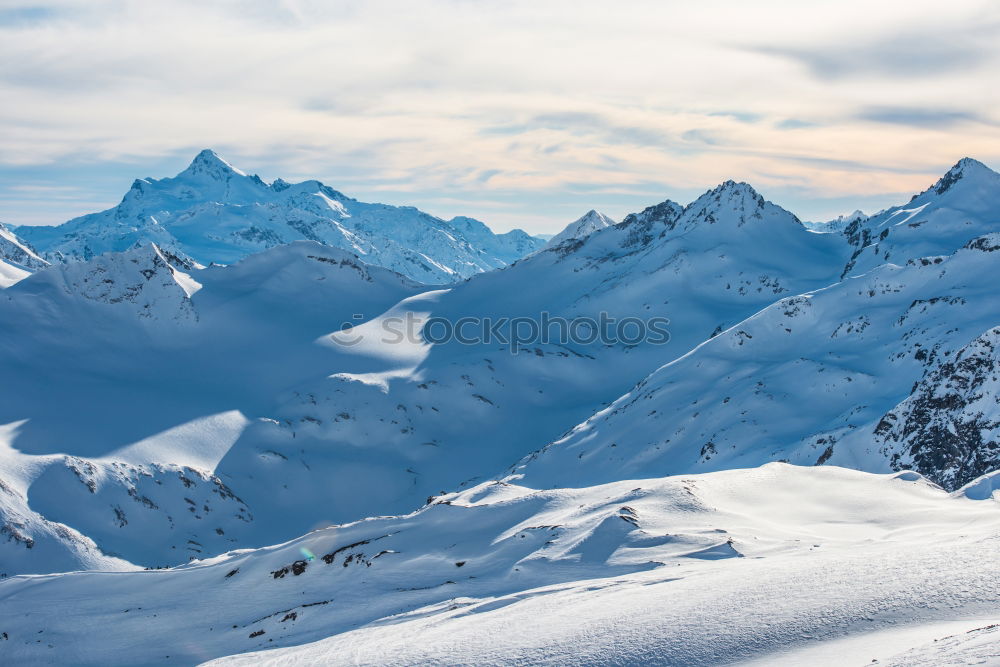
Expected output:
{"points": [[889, 369], [809, 380], [214, 213], [647, 571], [962, 205], [585, 225], [17, 259], [127, 381], [212, 360], [508, 247], [142, 278], [244, 361], [836, 225], [434, 416]]}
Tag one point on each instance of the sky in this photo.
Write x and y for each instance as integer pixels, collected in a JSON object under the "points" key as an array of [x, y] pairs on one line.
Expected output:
{"points": [[521, 114]]}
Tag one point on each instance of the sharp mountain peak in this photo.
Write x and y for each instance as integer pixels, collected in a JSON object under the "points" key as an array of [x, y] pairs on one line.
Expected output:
{"points": [[966, 169], [208, 163]]}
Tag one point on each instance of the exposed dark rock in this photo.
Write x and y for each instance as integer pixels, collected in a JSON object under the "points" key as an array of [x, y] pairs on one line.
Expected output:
{"points": [[948, 429]]}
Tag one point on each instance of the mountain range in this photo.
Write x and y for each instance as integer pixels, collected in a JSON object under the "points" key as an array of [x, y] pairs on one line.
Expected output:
{"points": [[214, 213], [191, 377]]}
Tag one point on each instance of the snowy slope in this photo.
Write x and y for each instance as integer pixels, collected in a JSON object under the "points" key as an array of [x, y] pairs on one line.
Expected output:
{"points": [[11, 273], [881, 371], [28, 541], [962, 205], [892, 368], [213, 212], [585, 225], [817, 378], [508, 247], [127, 381], [697, 570], [14, 251], [406, 422], [17, 259]]}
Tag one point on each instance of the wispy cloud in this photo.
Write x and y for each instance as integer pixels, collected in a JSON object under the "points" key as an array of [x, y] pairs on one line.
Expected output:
{"points": [[917, 117], [794, 124], [909, 56], [510, 111]]}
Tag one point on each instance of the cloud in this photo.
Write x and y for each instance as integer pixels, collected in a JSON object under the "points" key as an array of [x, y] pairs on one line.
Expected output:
{"points": [[699, 136], [916, 117], [583, 123], [936, 50], [744, 116], [795, 124], [535, 106], [20, 16], [909, 56]]}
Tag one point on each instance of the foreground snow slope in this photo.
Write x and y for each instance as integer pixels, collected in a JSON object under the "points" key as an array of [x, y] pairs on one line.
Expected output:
{"points": [[954, 643], [213, 212], [696, 570]]}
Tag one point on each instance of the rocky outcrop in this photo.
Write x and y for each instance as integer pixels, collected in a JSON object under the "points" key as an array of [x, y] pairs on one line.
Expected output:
{"points": [[948, 429]]}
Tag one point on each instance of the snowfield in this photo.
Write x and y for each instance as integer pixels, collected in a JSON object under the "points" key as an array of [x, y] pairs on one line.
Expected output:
{"points": [[694, 570]]}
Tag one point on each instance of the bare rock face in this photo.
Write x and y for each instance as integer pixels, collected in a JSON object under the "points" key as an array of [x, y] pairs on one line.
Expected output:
{"points": [[948, 429], [651, 222]]}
